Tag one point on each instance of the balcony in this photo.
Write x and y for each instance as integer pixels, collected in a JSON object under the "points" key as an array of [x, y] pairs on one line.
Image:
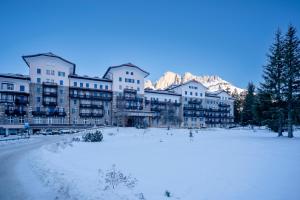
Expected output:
{"points": [[38, 113], [97, 114], [134, 107], [85, 105], [15, 112], [50, 93], [195, 101], [85, 96], [49, 84], [49, 103], [97, 106], [85, 114], [224, 105], [20, 101], [193, 114], [130, 91], [193, 107]]}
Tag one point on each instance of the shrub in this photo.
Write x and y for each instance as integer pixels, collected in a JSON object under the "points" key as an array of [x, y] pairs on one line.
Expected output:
{"points": [[93, 136], [167, 193]]}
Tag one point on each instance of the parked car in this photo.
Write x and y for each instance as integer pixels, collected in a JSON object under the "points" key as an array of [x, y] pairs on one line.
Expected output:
{"points": [[66, 131], [55, 132], [48, 132]]}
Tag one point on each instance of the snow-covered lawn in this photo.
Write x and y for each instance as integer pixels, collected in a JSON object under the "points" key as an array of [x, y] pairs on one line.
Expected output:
{"points": [[214, 164]]}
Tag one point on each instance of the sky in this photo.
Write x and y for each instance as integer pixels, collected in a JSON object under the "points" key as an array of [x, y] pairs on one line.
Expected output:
{"points": [[225, 38]]}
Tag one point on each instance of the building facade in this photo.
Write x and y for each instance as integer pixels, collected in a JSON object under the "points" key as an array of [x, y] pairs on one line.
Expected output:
{"points": [[54, 96]]}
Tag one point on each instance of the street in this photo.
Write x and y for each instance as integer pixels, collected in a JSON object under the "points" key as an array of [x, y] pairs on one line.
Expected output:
{"points": [[17, 181]]}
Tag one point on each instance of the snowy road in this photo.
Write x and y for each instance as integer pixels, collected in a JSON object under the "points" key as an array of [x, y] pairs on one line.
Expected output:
{"points": [[16, 176]]}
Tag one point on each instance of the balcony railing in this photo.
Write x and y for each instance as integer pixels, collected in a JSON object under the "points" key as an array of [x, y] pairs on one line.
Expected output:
{"points": [[195, 101], [50, 93], [84, 96], [50, 84], [193, 107], [49, 103], [130, 91], [193, 114], [224, 105], [15, 112], [21, 101]]}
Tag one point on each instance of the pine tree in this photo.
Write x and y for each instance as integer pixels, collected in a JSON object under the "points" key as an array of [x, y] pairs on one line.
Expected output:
{"points": [[291, 73], [272, 87], [237, 108], [247, 116]]}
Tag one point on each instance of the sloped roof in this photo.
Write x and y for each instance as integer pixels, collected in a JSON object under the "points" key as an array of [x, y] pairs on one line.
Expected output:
{"points": [[125, 65], [15, 76], [49, 54], [179, 85]]}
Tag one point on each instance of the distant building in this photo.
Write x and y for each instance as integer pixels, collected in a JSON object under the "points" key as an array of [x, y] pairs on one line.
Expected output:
{"points": [[54, 96]]}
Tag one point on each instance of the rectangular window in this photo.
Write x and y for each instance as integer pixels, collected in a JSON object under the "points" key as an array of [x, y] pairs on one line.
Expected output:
{"points": [[61, 74], [48, 72], [196, 93], [38, 80], [191, 93], [52, 72], [185, 92], [138, 81], [22, 88], [38, 71], [131, 73], [38, 99], [106, 87], [127, 72], [87, 85], [38, 90], [81, 84], [101, 86], [75, 84], [120, 79], [61, 82], [75, 102], [95, 86]]}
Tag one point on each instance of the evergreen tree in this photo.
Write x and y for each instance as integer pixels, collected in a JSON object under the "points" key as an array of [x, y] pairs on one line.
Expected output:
{"points": [[272, 87], [237, 107], [247, 116], [291, 73]]}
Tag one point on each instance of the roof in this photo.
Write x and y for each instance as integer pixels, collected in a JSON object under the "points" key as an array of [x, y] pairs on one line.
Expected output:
{"points": [[193, 80], [89, 78], [215, 93], [49, 54], [161, 92], [125, 65], [15, 76]]}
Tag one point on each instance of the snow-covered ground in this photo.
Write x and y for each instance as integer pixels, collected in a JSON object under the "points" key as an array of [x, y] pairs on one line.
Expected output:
{"points": [[213, 164]]}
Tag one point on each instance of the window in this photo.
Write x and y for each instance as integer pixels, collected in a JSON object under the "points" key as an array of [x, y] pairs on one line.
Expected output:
{"points": [[52, 72], [196, 93], [61, 91], [61, 82], [120, 79], [38, 90], [127, 72], [38, 80], [75, 102], [38, 99], [61, 100], [185, 92], [87, 85], [95, 86], [191, 93], [131, 73], [81, 84], [138, 81], [75, 84], [138, 89], [48, 72], [120, 87], [106, 87], [61, 74], [38, 71], [101, 86]]}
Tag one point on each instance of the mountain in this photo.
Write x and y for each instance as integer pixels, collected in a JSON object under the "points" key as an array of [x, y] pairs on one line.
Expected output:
{"points": [[213, 83]]}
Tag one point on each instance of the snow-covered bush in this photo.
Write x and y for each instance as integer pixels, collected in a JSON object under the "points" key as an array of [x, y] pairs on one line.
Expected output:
{"points": [[93, 136], [114, 178]]}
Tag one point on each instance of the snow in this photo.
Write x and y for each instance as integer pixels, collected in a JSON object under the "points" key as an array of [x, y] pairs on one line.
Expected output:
{"points": [[213, 83], [213, 164]]}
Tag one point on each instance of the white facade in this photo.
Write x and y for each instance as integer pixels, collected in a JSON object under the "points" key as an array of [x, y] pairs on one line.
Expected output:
{"points": [[126, 76]]}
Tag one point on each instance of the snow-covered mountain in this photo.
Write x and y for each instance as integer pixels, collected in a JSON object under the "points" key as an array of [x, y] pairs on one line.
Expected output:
{"points": [[213, 83]]}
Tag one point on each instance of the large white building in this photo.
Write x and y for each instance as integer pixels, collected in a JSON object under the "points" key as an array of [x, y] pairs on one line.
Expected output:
{"points": [[53, 95]]}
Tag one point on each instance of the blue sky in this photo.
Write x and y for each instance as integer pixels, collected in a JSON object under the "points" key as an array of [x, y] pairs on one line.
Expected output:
{"points": [[225, 38]]}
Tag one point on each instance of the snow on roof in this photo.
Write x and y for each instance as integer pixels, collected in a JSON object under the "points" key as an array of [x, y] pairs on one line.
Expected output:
{"points": [[125, 65]]}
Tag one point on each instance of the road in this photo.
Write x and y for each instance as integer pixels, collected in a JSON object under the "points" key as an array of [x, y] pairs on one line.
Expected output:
{"points": [[27, 186]]}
